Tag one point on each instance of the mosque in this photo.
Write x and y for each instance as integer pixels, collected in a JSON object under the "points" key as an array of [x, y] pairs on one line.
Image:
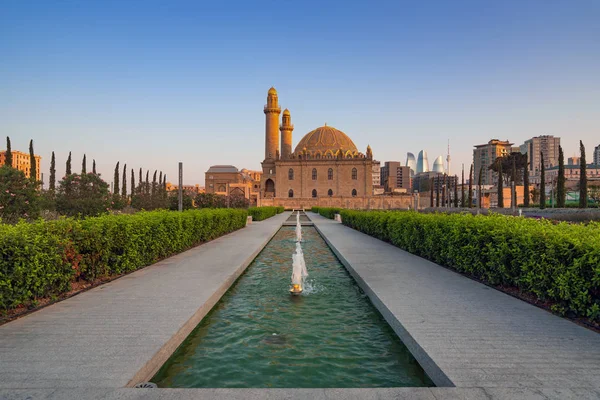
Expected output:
{"points": [[324, 169]]}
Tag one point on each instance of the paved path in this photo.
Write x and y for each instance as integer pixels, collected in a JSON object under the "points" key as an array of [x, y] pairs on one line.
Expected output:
{"points": [[463, 333], [122, 332]]}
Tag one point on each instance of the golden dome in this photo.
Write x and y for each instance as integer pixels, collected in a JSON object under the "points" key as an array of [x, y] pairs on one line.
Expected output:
{"points": [[286, 112], [272, 90], [324, 139]]}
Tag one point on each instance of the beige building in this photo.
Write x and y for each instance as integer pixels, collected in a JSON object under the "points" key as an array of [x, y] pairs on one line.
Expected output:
{"points": [[597, 155], [573, 160], [190, 190], [324, 169], [228, 180], [484, 155], [395, 177], [547, 145], [22, 162]]}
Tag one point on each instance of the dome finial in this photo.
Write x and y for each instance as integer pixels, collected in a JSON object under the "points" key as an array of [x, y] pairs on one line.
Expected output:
{"points": [[325, 123], [272, 90]]}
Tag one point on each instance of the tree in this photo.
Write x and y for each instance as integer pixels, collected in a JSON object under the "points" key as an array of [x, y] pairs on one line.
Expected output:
{"points": [[479, 194], [147, 186], [431, 193], [52, 184], [154, 187], [561, 194], [116, 180], [32, 163], [174, 202], [140, 185], [68, 166], [83, 166], [470, 197], [124, 185], [18, 195], [583, 194], [83, 195], [94, 167], [516, 158], [500, 188], [437, 191], [132, 184], [456, 191], [513, 191], [462, 188], [526, 185], [542, 183], [8, 157]]}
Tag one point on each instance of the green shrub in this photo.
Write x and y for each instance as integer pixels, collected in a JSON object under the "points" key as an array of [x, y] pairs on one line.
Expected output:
{"points": [[43, 258], [329, 212], [280, 209], [557, 262], [315, 209], [262, 213]]}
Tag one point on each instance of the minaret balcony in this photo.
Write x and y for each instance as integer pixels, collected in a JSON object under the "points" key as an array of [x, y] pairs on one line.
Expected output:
{"points": [[286, 127], [269, 110]]}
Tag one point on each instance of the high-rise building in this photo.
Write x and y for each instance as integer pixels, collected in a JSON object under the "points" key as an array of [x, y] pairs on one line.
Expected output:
{"points": [[573, 160], [547, 145], [376, 173], [395, 176], [484, 155], [422, 162], [411, 162], [438, 165], [22, 162], [597, 155]]}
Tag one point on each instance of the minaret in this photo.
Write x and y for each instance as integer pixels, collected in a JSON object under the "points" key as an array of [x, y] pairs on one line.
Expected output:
{"points": [[272, 112], [286, 134]]}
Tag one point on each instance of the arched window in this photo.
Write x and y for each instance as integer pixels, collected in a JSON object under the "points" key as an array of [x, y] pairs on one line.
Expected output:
{"points": [[221, 188], [330, 174], [330, 193], [318, 157], [353, 192], [291, 174], [291, 193], [354, 174], [314, 193], [314, 174]]}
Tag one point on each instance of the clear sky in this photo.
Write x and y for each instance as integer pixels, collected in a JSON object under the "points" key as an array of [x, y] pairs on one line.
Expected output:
{"points": [[152, 83]]}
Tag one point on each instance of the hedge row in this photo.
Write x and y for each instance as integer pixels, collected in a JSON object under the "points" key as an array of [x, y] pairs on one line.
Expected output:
{"points": [[327, 212], [43, 258], [559, 263], [262, 213]]}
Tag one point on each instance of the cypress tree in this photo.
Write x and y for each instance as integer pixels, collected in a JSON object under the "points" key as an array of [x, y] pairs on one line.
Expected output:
{"points": [[116, 180], [431, 193], [52, 173], [147, 186], [132, 183], [479, 196], [83, 166], [437, 191], [500, 185], [68, 167], [561, 194], [526, 185], [32, 163], [141, 182], [513, 191], [124, 188], [470, 196], [160, 182], [8, 159], [583, 194], [154, 191], [456, 191], [542, 183], [462, 188], [94, 167]]}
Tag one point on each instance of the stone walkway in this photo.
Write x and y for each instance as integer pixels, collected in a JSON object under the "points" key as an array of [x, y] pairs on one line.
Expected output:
{"points": [[464, 333], [122, 332]]}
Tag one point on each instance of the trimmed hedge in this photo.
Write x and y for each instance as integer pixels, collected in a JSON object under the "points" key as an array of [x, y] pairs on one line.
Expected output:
{"points": [[262, 213], [557, 262], [329, 212], [43, 258]]}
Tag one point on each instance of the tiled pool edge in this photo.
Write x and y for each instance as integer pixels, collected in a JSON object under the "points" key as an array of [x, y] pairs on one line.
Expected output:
{"points": [[166, 351], [431, 368]]}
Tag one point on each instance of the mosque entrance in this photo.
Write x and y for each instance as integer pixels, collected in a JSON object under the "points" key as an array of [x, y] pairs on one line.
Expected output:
{"points": [[270, 188]]}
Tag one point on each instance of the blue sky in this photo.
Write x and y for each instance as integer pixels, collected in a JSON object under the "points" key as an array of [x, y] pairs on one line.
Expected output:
{"points": [[152, 83]]}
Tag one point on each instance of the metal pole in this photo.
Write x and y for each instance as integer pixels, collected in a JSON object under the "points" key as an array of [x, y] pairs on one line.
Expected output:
{"points": [[180, 189]]}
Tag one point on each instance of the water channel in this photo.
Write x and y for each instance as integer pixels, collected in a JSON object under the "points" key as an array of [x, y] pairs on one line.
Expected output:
{"points": [[260, 336]]}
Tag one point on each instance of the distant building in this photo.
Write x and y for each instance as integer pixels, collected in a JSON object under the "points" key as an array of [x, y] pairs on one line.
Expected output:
{"points": [[547, 145], [422, 162], [411, 162], [228, 180], [597, 155], [484, 155], [571, 175], [376, 174], [573, 160], [438, 165], [22, 162], [394, 176], [190, 190], [422, 182]]}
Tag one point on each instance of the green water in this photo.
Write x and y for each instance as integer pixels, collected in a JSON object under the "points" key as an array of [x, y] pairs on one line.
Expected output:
{"points": [[259, 336]]}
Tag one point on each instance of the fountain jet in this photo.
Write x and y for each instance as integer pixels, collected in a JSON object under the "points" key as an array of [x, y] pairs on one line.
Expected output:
{"points": [[299, 272]]}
